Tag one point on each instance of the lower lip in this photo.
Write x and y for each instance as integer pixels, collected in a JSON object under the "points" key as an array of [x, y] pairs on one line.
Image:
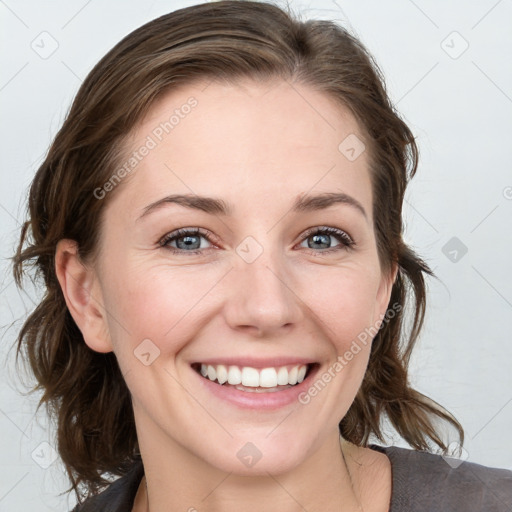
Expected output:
{"points": [[260, 401]]}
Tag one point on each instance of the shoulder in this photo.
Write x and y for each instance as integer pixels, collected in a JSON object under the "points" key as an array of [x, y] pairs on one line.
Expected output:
{"points": [[118, 496], [424, 481]]}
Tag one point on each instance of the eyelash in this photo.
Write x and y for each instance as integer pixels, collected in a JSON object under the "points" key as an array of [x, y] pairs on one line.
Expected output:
{"points": [[346, 241]]}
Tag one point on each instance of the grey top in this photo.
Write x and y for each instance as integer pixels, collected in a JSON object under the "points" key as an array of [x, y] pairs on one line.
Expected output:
{"points": [[422, 482]]}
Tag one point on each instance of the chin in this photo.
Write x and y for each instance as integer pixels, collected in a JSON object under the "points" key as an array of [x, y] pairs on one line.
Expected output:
{"points": [[258, 455]]}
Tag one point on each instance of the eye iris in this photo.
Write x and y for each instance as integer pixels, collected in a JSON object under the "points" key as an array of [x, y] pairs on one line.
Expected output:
{"points": [[320, 238], [188, 242]]}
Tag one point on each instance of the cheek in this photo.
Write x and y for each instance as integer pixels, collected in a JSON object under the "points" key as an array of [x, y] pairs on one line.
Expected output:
{"points": [[151, 320], [347, 312], [348, 308], [153, 305]]}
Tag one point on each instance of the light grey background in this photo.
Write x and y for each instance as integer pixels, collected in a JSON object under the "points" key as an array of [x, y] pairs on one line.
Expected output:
{"points": [[458, 102]]}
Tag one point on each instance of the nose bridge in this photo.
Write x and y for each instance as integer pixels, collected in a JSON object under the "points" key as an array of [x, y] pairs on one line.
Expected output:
{"points": [[262, 292]]}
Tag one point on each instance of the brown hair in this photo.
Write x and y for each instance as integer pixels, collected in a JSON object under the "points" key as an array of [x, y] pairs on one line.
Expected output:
{"points": [[225, 40]]}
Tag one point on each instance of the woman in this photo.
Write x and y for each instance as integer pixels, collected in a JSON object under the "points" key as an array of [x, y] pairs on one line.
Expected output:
{"points": [[218, 224]]}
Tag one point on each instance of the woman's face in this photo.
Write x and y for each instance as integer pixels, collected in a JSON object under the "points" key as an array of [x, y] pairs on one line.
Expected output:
{"points": [[256, 284]]}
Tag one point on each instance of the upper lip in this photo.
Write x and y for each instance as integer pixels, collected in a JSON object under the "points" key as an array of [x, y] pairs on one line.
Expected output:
{"points": [[255, 362]]}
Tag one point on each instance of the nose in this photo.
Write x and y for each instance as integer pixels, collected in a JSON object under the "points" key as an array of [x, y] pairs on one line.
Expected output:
{"points": [[262, 297]]}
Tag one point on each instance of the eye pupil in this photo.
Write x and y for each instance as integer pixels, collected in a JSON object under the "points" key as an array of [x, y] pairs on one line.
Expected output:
{"points": [[321, 239], [188, 242]]}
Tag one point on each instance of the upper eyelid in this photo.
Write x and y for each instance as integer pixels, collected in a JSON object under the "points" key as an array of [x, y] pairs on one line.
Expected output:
{"points": [[331, 230], [180, 232]]}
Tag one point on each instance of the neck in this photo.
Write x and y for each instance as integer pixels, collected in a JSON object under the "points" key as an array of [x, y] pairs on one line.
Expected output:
{"points": [[181, 481]]}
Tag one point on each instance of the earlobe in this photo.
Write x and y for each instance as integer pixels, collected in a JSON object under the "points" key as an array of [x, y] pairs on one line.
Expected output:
{"points": [[83, 297]]}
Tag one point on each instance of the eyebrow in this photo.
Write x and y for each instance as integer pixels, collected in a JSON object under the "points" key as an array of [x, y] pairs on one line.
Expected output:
{"points": [[214, 206]]}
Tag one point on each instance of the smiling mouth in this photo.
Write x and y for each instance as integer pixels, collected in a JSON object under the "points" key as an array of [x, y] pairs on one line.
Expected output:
{"points": [[253, 380]]}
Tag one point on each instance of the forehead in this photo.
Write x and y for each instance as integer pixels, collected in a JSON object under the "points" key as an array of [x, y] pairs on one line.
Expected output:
{"points": [[267, 140]]}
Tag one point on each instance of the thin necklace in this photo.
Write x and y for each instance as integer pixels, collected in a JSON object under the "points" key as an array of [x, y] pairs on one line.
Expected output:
{"points": [[147, 494], [350, 477], [344, 460]]}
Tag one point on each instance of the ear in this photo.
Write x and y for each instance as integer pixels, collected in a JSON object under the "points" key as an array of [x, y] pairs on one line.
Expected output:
{"points": [[83, 296], [384, 292]]}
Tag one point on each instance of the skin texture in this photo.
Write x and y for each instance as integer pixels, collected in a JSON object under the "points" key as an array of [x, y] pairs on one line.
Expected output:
{"points": [[258, 147]]}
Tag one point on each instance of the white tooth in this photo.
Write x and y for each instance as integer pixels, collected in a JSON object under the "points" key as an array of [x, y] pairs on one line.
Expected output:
{"points": [[302, 373], [204, 370], [268, 378], [212, 374], [247, 390], [260, 389], [222, 374], [282, 376], [292, 375], [250, 377], [273, 390], [234, 375]]}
